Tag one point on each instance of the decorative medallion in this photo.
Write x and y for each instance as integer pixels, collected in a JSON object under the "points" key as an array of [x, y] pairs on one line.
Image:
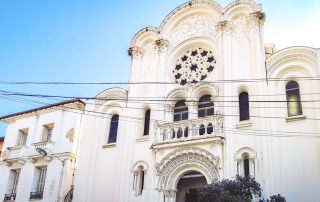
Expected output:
{"points": [[194, 66]]}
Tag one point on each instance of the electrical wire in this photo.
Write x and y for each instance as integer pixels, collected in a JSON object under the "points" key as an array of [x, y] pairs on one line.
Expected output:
{"points": [[138, 83], [236, 131]]}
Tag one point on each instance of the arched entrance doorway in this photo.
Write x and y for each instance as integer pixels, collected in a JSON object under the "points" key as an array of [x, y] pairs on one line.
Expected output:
{"points": [[188, 185], [176, 166]]}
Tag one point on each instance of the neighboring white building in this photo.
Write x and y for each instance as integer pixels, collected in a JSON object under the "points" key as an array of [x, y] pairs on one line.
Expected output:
{"points": [[191, 132], [24, 173]]}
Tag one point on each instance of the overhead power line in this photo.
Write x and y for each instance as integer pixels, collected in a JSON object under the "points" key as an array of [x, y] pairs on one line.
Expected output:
{"points": [[253, 132], [139, 83], [10, 93]]}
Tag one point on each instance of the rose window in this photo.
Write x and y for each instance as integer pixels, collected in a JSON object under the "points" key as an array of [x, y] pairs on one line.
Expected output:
{"points": [[194, 66]]}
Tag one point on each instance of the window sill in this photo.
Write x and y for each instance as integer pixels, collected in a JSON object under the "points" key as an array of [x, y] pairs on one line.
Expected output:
{"points": [[143, 138], [244, 124], [44, 142], [110, 145], [296, 118]]}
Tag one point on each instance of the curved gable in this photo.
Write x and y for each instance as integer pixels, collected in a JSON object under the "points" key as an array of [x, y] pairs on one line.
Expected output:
{"points": [[305, 57]]}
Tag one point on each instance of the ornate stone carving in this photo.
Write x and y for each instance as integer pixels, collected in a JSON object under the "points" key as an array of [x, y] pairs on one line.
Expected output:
{"points": [[254, 7], [207, 3], [193, 26], [162, 45], [259, 16], [183, 158], [135, 52], [239, 28], [170, 193], [149, 60], [194, 66]]}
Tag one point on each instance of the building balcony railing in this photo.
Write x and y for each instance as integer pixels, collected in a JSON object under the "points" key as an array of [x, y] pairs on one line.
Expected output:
{"points": [[211, 126], [36, 195], [9, 197], [16, 152], [46, 145]]}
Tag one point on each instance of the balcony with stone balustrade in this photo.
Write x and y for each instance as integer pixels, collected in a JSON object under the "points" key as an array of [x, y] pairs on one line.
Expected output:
{"points": [[16, 153], [189, 131], [45, 145]]}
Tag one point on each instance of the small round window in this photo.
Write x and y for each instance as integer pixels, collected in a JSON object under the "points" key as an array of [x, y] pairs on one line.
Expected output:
{"points": [[194, 66]]}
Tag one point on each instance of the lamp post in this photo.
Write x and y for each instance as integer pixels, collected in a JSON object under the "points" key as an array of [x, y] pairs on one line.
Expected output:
{"points": [[42, 152]]}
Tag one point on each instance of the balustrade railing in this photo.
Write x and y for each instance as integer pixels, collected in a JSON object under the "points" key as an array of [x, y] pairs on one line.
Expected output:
{"points": [[43, 145], [190, 129], [15, 152]]}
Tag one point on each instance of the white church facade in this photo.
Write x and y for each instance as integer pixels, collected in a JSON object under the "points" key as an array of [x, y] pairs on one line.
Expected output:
{"points": [[207, 100]]}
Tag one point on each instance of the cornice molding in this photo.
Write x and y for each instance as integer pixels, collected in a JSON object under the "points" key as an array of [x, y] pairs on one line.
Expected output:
{"points": [[75, 106]]}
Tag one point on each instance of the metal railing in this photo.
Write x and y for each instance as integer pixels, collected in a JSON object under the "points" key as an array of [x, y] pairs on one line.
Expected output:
{"points": [[9, 197], [36, 195]]}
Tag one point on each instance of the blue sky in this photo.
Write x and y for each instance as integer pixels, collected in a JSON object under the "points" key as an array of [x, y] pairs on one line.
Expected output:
{"points": [[78, 41]]}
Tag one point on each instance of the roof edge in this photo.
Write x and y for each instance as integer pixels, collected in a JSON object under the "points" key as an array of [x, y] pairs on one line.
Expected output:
{"points": [[42, 108]]}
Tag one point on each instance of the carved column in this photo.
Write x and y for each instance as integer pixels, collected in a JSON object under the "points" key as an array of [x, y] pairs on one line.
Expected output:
{"points": [[169, 108], [161, 47], [192, 105], [136, 53], [170, 195]]}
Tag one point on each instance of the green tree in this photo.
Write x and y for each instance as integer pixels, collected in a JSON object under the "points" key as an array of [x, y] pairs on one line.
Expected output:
{"points": [[241, 189]]}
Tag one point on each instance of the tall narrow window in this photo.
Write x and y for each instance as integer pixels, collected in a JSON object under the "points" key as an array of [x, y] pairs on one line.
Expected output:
{"points": [[293, 99], [244, 106], [139, 180], [12, 185], [205, 107], [22, 137], [146, 122], [180, 111], [113, 129], [40, 178], [47, 132], [246, 167]]}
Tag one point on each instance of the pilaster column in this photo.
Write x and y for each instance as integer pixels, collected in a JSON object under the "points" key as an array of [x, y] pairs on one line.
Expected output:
{"points": [[192, 108], [170, 195], [136, 53], [169, 112]]}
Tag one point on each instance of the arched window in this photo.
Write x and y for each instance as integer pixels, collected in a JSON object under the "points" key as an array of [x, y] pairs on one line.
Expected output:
{"points": [[245, 158], [146, 122], [205, 106], [180, 111], [113, 129], [244, 106], [293, 99], [139, 177]]}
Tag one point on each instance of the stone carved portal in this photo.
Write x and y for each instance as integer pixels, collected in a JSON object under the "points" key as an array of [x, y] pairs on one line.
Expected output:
{"points": [[182, 161]]}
